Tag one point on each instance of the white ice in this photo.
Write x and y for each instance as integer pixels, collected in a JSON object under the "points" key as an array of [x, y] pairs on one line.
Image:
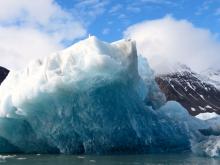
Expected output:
{"points": [[93, 97]]}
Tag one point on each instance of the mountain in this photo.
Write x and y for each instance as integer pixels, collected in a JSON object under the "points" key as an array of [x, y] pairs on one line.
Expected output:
{"points": [[3, 74], [198, 93], [212, 76]]}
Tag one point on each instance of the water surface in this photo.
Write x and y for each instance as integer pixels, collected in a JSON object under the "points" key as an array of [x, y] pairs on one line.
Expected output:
{"points": [[155, 159]]}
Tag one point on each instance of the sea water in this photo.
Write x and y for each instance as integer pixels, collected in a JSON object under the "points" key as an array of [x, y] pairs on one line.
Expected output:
{"points": [[151, 159]]}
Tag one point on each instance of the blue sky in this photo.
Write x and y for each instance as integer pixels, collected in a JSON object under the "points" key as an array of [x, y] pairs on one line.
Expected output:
{"points": [[168, 29], [114, 16]]}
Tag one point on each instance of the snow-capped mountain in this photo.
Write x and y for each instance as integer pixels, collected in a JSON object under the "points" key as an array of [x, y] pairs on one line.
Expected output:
{"points": [[212, 76], [198, 93], [3, 73]]}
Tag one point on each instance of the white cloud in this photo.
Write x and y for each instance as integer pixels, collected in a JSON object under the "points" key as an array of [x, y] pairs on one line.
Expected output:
{"points": [[204, 7], [159, 2], [134, 9], [217, 12], [88, 10], [18, 46], [168, 41], [106, 31], [115, 8], [33, 29], [40, 11]]}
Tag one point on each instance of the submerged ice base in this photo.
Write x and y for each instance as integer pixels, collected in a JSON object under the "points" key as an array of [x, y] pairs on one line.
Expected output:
{"points": [[93, 97]]}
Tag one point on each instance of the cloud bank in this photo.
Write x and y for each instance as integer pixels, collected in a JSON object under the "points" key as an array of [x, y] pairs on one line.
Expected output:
{"points": [[167, 41], [33, 29]]}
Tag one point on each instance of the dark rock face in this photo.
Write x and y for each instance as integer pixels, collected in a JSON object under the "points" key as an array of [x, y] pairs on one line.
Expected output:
{"points": [[3, 74], [188, 88]]}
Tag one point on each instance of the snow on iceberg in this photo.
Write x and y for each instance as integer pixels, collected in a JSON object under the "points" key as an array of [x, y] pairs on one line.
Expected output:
{"points": [[92, 97]]}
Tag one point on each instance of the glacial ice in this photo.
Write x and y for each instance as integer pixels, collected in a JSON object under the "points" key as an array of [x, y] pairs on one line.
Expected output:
{"points": [[93, 97]]}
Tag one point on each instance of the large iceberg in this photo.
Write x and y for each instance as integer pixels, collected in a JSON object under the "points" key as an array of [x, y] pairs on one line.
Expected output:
{"points": [[93, 97]]}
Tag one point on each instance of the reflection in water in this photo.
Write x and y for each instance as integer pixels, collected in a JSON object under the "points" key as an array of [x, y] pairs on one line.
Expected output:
{"points": [[169, 159]]}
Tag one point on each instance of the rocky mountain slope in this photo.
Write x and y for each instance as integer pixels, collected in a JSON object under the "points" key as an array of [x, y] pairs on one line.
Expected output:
{"points": [[3, 73], [196, 92]]}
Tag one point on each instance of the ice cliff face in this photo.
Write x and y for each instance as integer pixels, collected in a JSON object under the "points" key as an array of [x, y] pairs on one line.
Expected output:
{"points": [[93, 97]]}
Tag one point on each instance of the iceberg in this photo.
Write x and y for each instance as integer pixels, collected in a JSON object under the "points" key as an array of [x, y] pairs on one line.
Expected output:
{"points": [[93, 98]]}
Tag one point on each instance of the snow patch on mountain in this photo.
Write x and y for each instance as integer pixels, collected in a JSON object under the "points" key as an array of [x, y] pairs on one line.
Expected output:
{"points": [[211, 76], [207, 115]]}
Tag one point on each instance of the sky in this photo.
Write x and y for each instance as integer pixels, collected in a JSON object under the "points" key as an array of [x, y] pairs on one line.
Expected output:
{"points": [[185, 31], [109, 18]]}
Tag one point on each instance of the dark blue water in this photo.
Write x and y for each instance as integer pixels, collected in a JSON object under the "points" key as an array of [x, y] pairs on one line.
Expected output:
{"points": [[156, 159]]}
